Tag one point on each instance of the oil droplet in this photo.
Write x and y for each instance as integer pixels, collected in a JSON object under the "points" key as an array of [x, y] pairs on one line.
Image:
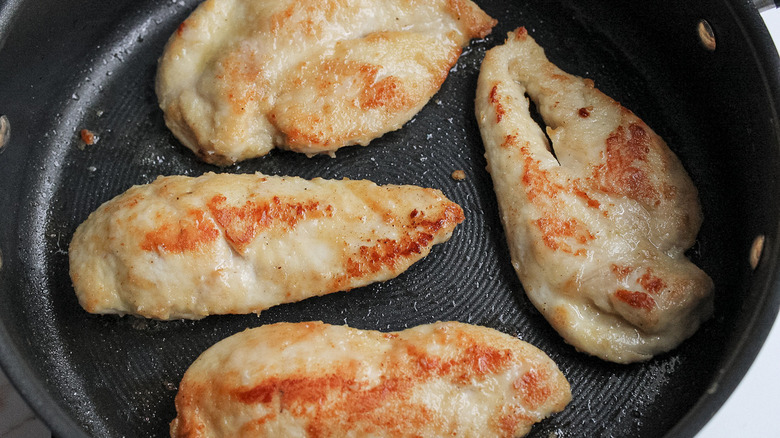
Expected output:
{"points": [[755, 250]]}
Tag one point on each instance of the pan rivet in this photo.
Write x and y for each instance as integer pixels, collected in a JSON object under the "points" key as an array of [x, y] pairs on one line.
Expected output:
{"points": [[5, 132], [755, 251], [706, 35]]}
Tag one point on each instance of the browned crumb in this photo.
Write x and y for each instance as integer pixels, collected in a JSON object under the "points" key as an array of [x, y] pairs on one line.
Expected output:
{"points": [[88, 137], [458, 175]]}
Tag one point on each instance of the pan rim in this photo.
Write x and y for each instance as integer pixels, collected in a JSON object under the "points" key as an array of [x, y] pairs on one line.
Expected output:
{"points": [[48, 410], [739, 361]]}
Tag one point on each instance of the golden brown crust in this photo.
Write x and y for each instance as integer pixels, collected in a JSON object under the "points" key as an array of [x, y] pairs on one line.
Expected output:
{"points": [[189, 247], [240, 77], [316, 380]]}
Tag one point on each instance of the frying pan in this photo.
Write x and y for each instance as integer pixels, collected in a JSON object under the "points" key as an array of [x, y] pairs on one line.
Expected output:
{"points": [[72, 65]]}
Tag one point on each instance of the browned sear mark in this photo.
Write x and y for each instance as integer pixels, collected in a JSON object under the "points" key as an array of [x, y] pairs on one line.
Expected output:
{"points": [[556, 232], [386, 93], [500, 111], [542, 190], [242, 223], [189, 234], [418, 234], [585, 111], [636, 299], [370, 259], [651, 283], [325, 397], [624, 172], [533, 388], [621, 272]]}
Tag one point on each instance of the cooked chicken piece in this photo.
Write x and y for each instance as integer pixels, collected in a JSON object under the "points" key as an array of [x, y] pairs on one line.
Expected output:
{"points": [[598, 230], [317, 380], [184, 247], [242, 76]]}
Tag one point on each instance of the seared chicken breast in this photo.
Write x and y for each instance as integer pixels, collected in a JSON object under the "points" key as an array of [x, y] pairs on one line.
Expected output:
{"points": [[598, 222], [185, 247], [316, 380], [240, 77]]}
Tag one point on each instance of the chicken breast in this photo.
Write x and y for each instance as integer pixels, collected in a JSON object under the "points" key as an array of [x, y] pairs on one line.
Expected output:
{"points": [[239, 77], [597, 230], [185, 247], [316, 380]]}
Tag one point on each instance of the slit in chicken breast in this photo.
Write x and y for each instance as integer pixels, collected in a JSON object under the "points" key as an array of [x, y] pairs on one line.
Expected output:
{"points": [[598, 231]]}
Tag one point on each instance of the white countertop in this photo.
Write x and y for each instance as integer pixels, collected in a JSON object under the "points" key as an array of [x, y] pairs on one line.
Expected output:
{"points": [[751, 411]]}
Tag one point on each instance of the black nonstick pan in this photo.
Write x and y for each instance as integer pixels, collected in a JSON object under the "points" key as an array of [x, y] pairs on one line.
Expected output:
{"points": [[72, 65]]}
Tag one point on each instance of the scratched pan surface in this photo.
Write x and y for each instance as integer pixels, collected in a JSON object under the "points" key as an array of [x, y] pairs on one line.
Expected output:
{"points": [[76, 65]]}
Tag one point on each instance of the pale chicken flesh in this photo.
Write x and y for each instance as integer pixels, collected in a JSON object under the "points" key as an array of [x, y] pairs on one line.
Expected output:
{"points": [[597, 231], [317, 380], [240, 77], [184, 247]]}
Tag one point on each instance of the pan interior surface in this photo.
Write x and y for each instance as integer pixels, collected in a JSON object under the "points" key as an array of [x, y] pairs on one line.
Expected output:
{"points": [[117, 376]]}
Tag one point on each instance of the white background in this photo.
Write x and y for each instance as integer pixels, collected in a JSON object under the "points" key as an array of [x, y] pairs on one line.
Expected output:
{"points": [[753, 410]]}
